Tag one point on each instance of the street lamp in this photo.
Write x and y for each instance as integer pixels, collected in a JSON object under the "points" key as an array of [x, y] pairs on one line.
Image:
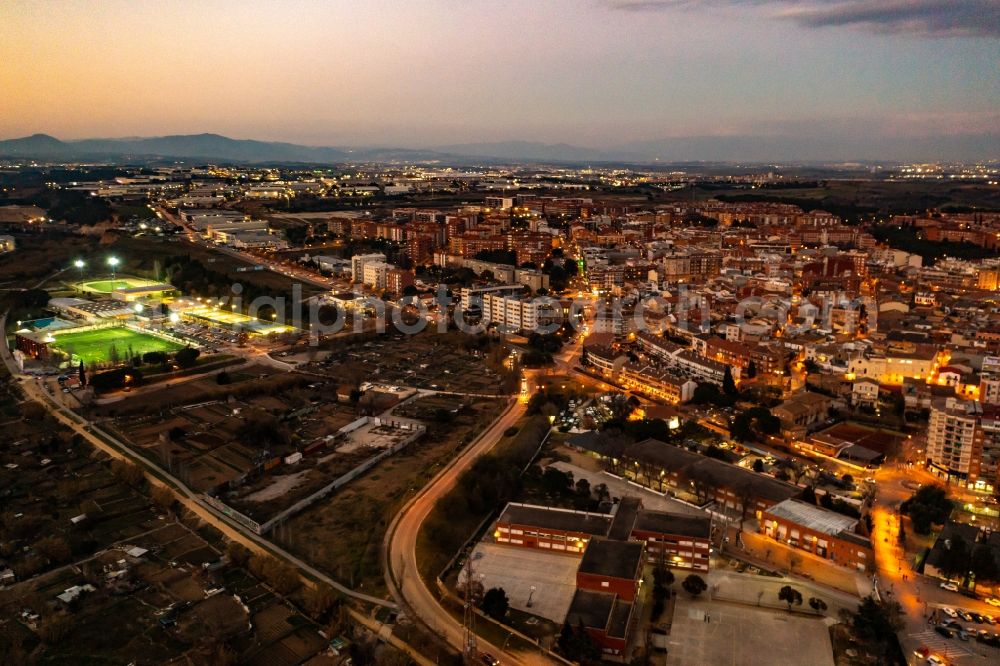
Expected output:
{"points": [[530, 594], [113, 262], [80, 263]]}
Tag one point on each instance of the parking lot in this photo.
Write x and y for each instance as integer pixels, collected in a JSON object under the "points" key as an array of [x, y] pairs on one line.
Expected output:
{"points": [[517, 570], [744, 636], [960, 637]]}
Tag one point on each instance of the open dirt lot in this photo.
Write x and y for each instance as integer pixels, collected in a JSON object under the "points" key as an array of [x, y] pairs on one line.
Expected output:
{"points": [[343, 533], [744, 636]]}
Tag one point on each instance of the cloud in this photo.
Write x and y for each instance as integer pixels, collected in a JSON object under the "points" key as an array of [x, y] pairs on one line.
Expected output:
{"points": [[921, 18]]}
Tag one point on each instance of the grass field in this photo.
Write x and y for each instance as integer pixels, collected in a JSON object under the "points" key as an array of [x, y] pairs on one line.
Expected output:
{"points": [[107, 286], [95, 346]]}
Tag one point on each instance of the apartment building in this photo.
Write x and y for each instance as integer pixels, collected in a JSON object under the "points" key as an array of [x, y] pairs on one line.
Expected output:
{"points": [[359, 261], [954, 439], [374, 274], [891, 367]]}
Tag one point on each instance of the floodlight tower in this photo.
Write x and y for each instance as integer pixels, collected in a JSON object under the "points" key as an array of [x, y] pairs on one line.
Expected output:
{"points": [[113, 262], [80, 263]]}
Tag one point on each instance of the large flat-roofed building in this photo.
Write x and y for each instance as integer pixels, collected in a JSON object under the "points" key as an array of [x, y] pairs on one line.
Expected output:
{"points": [[676, 540], [610, 565], [549, 528], [605, 617], [663, 467], [824, 533], [93, 310]]}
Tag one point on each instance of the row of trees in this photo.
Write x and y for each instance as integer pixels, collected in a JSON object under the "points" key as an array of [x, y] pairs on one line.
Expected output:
{"points": [[132, 375], [491, 481]]}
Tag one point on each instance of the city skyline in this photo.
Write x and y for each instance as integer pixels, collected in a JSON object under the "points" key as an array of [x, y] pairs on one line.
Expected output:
{"points": [[739, 80]]}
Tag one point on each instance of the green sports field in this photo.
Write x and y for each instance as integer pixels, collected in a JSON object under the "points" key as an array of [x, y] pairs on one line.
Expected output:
{"points": [[107, 286], [95, 346]]}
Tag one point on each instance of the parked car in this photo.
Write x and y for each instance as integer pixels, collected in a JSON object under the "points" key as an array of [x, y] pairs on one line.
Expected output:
{"points": [[993, 601], [944, 631], [951, 587], [934, 659], [950, 612]]}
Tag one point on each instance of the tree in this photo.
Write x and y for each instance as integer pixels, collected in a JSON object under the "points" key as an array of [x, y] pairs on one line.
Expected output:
{"points": [[694, 585], [163, 497], [728, 384], [983, 564], [82, 374], [577, 645], [556, 481], [758, 465], [809, 495], [751, 370], [876, 623], [127, 472], [926, 507], [319, 600], [583, 488], [790, 596], [238, 554], [817, 604], [495, 603], [662, 576], [187, 357]]}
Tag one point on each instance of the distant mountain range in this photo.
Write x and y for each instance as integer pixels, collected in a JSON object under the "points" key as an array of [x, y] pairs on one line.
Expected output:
{"points": [[746, 149]]}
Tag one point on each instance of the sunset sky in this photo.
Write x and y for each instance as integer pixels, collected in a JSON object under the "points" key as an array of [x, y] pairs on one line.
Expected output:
{"points": [[586, 72]]}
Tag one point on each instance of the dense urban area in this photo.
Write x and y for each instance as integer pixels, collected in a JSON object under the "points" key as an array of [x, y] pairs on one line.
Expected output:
{"points": [[388, 413]]}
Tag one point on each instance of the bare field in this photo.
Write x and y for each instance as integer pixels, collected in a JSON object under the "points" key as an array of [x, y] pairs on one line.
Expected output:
{"points": [[343, 534]]}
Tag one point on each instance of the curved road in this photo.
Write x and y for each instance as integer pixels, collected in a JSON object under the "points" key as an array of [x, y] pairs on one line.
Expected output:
{"points": [[399, 552], [401, 544]]}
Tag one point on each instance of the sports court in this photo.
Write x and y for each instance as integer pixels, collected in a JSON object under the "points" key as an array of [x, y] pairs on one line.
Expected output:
{"points": [[108, 285], [95, 346], [235, 321]]}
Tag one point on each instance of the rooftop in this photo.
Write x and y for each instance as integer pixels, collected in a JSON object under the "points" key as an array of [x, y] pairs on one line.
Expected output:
{"points": [[565, 520], [812, 517], [615, 559], [673, 523]]}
